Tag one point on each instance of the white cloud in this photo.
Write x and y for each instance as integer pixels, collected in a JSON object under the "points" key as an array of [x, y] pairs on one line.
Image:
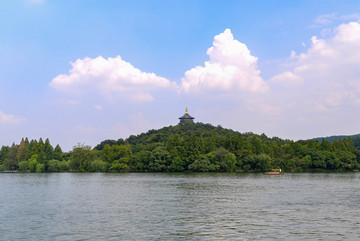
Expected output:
{"points": [[327, 19], [111, 77], [231, 66], [329, 71], [287, 78], [268, 109], [317, 91], [10, 119]]}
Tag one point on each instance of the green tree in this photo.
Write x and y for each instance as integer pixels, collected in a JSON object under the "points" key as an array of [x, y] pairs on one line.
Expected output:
{"points": [[325, 145], [229, 162], [40, 167], [160, 161], [33, 161], [140, 160], [99, 166], [34, 148], [177, 165], [203, 164], [24, 166], [48, 149], [4, 152], [190, 149], [58, 153], [257, 144], [120, 165], [11, 162], [81, 157], [261, 162]]}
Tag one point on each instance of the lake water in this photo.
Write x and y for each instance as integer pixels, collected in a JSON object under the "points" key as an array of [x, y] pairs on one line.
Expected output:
{"points": [[103, 206]]}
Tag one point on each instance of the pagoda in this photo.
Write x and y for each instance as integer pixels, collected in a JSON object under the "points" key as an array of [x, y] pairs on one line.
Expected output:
{"points": [[186, 117]]}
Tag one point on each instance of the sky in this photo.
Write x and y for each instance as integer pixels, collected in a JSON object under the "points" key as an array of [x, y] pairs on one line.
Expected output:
{"points": [[88, 70]]}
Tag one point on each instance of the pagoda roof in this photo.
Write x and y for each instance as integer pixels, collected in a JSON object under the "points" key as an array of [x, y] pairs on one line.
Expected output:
{"points": [[186, 116]]}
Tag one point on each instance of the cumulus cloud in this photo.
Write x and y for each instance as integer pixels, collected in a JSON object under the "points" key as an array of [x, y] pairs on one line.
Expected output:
{"points": [[287, 78], [329, 71], [112, 77], [10, 119], [231, 66]]}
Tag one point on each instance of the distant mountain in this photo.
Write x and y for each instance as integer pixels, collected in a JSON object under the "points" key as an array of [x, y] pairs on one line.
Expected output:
{"points": [[355, 139]]}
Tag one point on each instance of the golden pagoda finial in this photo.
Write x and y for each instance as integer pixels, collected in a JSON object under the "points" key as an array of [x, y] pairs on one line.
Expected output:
{"points": [[186, 111]]}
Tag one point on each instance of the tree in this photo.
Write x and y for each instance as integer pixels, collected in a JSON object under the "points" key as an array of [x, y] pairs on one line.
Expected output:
{"points": [[20, 152], [53, 166], [203, 164], [34, 147], [99, 166], [11, 162], [81, 157], [58, 154], [4, 152], [48, 149], [177, 165], [257, 144], [229, 162], [325, 145], [160, 161], [33, 162], [120, 165], [261, 162], [140, 160], [218, 158], [190, 150], [24, 166]]}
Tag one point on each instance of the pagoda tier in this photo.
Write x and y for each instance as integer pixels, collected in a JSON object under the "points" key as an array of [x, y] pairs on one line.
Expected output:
{"points": [[186, 117]]}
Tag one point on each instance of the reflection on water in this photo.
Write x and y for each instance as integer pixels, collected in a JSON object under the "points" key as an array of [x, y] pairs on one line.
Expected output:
{"points": [[102, 206]]}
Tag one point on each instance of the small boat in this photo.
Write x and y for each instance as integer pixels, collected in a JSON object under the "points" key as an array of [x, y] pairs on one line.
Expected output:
{"points": [[274, 172]]}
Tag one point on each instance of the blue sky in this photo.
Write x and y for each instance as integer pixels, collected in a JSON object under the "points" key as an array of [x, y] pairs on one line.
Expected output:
{"points": [[86, 70]]}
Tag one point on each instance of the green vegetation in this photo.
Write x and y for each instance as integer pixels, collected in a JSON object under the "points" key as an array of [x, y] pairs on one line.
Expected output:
{"points": [[187, 147], [354, 138]]}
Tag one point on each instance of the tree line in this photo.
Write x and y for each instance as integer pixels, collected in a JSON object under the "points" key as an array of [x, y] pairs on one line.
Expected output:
{"points": [[187, 147]]}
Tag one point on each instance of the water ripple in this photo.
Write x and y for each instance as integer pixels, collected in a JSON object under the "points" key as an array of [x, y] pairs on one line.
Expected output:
{"points": [[75, 206]]}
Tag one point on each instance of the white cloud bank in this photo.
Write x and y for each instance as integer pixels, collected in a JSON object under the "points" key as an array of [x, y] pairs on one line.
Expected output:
{"points": [[328, 73], [10, 119], [230, 66], [112, 77]]}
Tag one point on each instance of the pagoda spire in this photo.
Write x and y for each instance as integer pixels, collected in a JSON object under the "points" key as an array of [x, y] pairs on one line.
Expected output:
{"points": [[186, 117]]}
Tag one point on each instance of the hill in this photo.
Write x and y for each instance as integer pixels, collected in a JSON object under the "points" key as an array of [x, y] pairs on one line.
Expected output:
{"points": [[203, 147], [355, 139], [186, 147], [184, 130]]}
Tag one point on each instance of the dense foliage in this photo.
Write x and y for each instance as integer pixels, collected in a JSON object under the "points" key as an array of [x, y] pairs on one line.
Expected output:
{"points": [[194, 147], [354, 138]]}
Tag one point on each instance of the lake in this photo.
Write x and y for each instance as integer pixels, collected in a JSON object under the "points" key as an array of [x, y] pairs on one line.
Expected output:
{"points": [[105, 206]]}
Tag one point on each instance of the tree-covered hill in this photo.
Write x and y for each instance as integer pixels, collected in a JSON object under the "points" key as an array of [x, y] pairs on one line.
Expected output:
{"points": [[203, 147], [354, 138], [186, 147], [184, 130]]}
